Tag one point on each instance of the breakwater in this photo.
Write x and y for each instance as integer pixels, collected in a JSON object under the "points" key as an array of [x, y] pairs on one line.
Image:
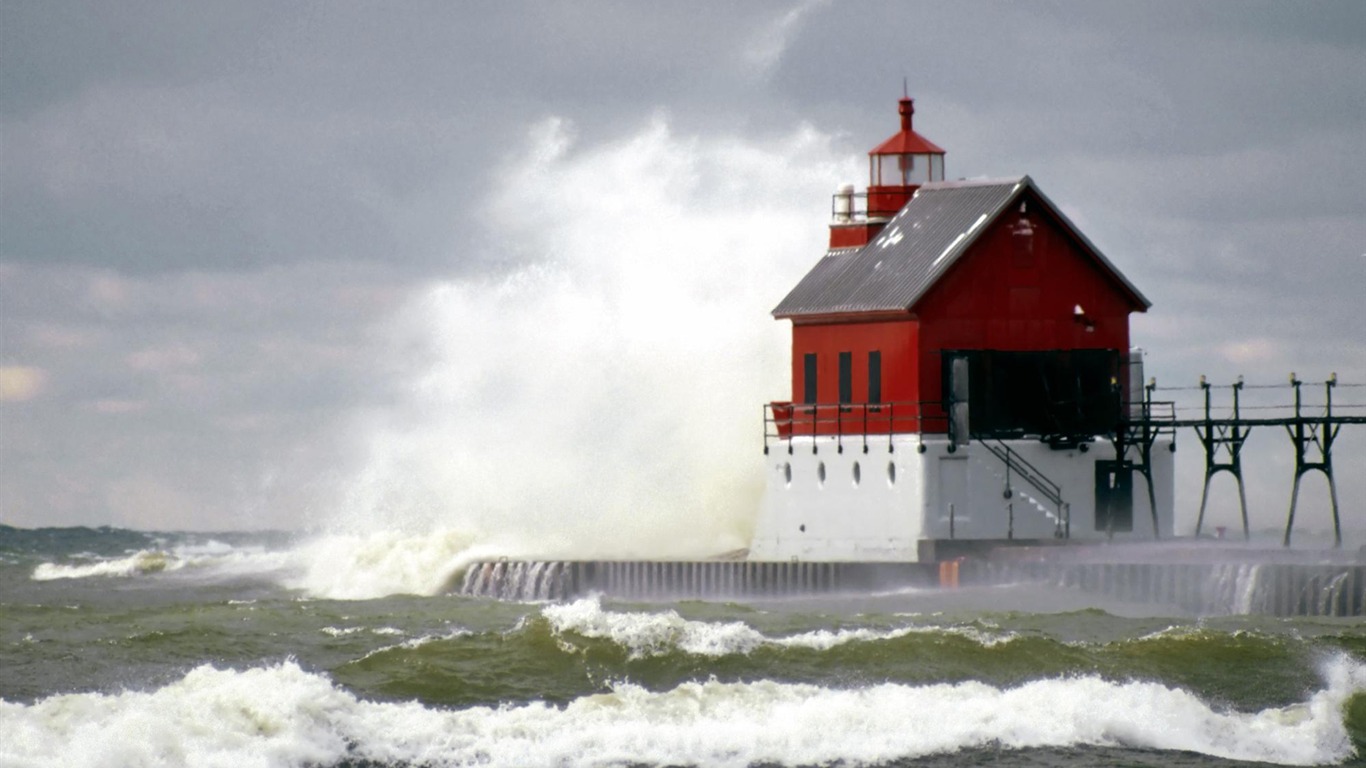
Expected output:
{"points": [[675, 580], [1271, 588]]}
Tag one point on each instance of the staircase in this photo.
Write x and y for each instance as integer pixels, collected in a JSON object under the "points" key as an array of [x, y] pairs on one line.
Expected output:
{"points": [[1048, 489]]}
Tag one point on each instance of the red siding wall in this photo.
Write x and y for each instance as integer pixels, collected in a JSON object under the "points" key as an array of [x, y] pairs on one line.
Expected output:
{"points": [[896, 339], [1003, 296]]}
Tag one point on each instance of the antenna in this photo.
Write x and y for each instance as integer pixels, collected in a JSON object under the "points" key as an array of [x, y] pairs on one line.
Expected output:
{"points": [[905, 88]]}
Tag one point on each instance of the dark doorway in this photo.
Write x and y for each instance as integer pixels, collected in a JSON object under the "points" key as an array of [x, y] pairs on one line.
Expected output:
{"points": [[1114, 496], [1063, 396]]}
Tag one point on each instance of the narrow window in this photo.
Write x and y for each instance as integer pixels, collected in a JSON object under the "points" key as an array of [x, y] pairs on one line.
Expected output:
{"points": [[846, 377], [874, 377], [809, 378]]}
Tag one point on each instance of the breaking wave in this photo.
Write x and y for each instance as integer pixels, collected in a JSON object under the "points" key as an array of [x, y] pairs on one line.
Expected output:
{"points": [[333, 566], [146, 561], [211, 557], [284, 715], [646, 634]]}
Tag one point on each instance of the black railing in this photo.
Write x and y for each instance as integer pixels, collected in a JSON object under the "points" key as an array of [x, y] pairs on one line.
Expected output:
{"points": [[857, 423], [1050, 490], [849, 208]]}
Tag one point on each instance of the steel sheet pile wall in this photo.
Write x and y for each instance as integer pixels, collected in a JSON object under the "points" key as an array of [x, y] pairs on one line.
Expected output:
{"points": [[672, 580], [1276, 589]]}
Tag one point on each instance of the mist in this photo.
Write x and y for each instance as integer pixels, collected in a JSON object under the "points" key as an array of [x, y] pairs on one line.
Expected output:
{"points": [[600, 394]]}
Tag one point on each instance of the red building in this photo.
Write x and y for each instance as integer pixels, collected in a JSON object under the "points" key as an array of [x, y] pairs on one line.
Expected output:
{"points": [[980, 293]]}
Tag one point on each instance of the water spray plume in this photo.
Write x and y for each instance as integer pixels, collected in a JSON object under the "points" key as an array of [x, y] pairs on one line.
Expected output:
{"points": [[600, 396]]}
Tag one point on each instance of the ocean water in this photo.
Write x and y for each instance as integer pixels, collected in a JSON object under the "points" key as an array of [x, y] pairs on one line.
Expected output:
{"points": [[123, 648]]}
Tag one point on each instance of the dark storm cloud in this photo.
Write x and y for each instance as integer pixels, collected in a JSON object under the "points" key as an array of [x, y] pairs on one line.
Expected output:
{"points": [[207, 209], [170, 136]]}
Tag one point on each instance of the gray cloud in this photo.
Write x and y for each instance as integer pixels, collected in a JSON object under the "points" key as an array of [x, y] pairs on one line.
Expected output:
{"points": [[209, 213]]}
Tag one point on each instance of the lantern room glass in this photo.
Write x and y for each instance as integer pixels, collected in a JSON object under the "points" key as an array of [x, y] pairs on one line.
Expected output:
{"points": [[903, 170]]}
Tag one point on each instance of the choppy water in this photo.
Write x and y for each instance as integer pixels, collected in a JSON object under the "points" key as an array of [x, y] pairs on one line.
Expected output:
{"points": [[120, 648]]}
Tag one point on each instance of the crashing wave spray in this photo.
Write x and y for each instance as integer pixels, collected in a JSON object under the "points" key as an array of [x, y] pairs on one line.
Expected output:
{"points": [[600, 398]]}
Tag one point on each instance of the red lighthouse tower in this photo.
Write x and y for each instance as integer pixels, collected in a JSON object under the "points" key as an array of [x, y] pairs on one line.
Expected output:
{"points": [[896, 169]]}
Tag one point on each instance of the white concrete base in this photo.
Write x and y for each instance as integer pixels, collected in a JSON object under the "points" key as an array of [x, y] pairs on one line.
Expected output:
{"points": [[830, 500]]}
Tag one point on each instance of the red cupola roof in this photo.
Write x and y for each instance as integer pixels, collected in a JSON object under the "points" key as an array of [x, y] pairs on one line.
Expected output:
{"points": [[906, 141]]}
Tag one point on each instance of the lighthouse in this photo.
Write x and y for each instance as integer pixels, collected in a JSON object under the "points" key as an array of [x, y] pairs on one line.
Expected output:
{"points": [[962, 383], [961, 373]]}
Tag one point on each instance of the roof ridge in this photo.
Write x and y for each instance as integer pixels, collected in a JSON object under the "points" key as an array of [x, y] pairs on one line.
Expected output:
{"points": [[979, 181], [919, 245]]}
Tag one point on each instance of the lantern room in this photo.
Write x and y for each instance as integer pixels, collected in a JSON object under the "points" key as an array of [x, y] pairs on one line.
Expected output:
{"points": [[896, 169], [898, 166]]}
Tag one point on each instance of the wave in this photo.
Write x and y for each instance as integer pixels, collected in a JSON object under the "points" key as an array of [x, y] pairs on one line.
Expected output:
{"points": [[333, 566], [379, 564], [145, 561], [210, 557], [646, 634], [283, 715]]}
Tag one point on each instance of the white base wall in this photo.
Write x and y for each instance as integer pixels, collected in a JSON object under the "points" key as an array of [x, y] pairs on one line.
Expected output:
{"points": [[824, 503]]}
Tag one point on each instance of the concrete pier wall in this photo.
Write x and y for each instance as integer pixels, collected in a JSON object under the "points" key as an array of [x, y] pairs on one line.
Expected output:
{"points": [[681, 580], [1276, 589]]}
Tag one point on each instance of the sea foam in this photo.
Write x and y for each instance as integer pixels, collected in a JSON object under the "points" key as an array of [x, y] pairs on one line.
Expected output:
{"points": [[145, 561], [206, 559], [283, 716], [331, 566], [646, 634]]}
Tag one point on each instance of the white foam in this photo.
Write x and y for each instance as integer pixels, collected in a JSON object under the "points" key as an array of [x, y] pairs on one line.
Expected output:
{"points": [[655, 633], [143, 562], [333, 566], [373, 565], [281, 715], [416, 642], [210, 559]]}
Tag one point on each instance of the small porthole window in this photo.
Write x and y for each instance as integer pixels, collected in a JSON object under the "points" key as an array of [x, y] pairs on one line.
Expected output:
{"points": [[891, 473], [787, 473], [820, 474], [858, 474]]}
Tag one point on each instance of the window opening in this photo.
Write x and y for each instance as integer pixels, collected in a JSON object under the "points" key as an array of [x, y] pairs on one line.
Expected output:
{"points": [[846, 377], [874, 377], [809, 378]]}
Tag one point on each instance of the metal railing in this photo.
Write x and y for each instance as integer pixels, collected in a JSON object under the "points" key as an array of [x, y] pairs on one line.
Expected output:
{"points": [[849, 209], [855, 423], [1031, 474]]}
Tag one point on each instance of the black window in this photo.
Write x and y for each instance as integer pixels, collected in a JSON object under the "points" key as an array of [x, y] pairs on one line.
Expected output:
{"points": [[809, 378], [874, 377], [846, 377]]}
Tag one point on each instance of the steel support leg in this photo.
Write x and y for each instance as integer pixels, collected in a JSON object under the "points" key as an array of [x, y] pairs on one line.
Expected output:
{"points": [[1294, 497]]}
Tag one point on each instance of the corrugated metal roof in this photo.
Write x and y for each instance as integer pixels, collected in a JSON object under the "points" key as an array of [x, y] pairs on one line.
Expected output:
{"points": [[924, 239]]}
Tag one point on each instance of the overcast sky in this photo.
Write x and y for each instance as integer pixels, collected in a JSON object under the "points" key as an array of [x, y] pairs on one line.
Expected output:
{"points": [[262, 261]]}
